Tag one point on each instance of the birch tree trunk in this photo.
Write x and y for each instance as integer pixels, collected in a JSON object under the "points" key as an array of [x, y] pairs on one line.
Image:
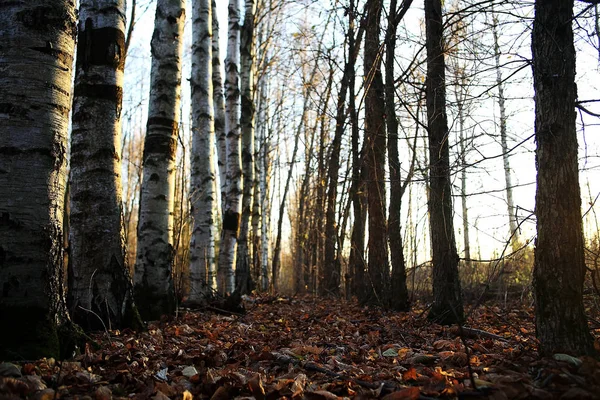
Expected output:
{"points": [[203, 196], [512, 218], [219, 104], [233, 204], [375, 149], [447, 305], [559, 267], [154, 290], [36, 57], [99, 283], [247, 64]]}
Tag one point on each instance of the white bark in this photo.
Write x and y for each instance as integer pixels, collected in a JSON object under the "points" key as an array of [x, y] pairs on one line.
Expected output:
{"points": [[99, 280], [153, 282], [512, 220], [37, 40], [202, 191], [219, 103], [247, 65], [231, 214], [263, 200]]}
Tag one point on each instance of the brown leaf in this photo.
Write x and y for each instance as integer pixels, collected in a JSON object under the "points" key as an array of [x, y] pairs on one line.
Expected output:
{"points": [[256, 387], [410, 393], [410, 375]]}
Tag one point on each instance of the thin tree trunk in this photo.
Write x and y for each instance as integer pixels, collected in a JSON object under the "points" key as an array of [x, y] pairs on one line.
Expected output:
{"points": [[202, 189], [356, 261], [398, 291], [463, 182], [512, 219], [244, 282], [154, 290], [375, 149], [219, 104], [233, 205], [447, 305], [35, 99], [99, 282], [559, 268]]}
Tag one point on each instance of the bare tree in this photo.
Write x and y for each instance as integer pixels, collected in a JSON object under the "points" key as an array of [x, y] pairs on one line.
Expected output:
{"points": [[447, 305], [154, 291], [559, 269], [202, 190], [233, 204]]}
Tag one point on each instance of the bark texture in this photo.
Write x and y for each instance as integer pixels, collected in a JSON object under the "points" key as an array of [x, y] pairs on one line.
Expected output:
{"points": [[202, 191], [219, 104], [375, 150], [247, 64], [154, 291], [100, 289], [37, 41], [233, 204], [559, 268], [447, 305]]}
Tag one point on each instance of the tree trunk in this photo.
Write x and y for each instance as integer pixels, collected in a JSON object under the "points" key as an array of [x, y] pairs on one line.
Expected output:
{"points": [[398, 293], [202, 189], [331, 268], [154, 291], [559, 268], [99, 283], [219, 104], [247, 64], [36, 57], [512, 218], [233, 205], [447, 305], [375, 149]]}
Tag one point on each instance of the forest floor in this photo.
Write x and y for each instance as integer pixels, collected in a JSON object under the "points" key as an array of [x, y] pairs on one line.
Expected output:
{"points": [[308, 348]]}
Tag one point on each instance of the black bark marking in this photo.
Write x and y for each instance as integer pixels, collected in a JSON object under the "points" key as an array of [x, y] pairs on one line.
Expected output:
{"points": [[100, 46], [231, 221], [14, 110], [49, 19]]}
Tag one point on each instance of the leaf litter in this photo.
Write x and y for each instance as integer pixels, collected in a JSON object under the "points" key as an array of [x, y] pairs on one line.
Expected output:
{"points": [[308, 348]]}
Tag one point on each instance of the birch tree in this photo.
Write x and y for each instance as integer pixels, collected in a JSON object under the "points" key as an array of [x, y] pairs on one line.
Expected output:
{"points": [[233, 203], [559, 267], [154, 291], [512, 219], [219, 104], [202, 191], [447, 305], [247, 65], [99, 283], [36, 58]]}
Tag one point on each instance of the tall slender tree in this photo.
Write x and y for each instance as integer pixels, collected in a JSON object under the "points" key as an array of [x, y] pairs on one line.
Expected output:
{"points": [[512, 217], [219, 104], [374, 159], [202, 191], [247, 65], [100, 288], [233, 203], [154, 291], [36, 58], [398, 290], [447, 305], [559, 268]]}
